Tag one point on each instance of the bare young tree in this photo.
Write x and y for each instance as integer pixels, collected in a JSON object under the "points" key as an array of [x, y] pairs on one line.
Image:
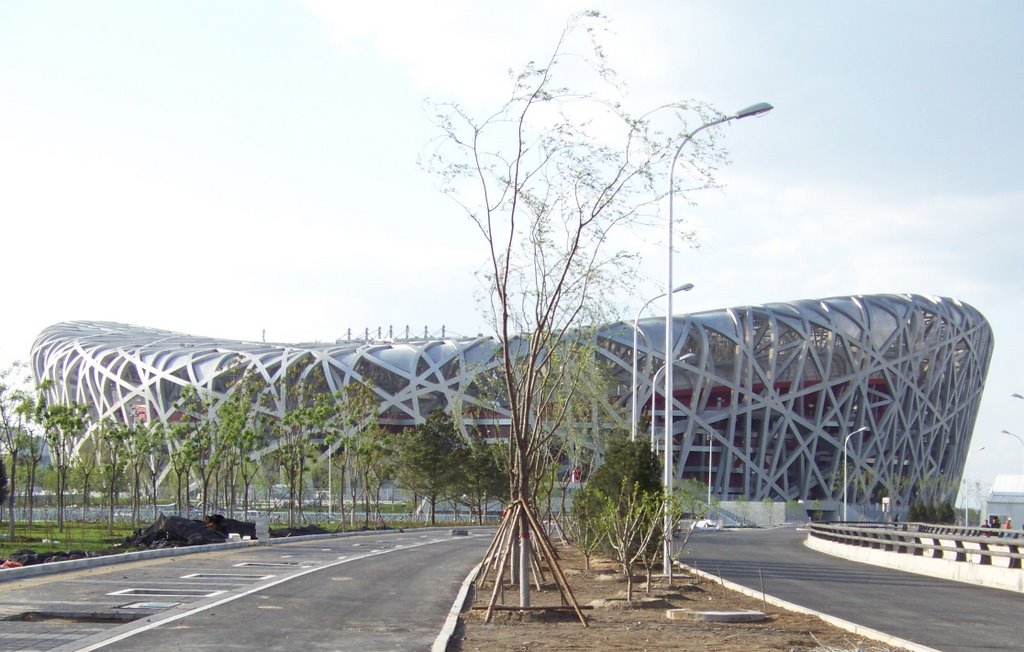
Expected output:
{"points": [[550, 179], [632, 524]]}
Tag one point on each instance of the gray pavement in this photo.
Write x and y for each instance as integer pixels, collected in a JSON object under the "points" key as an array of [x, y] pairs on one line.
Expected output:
{"points": [[379, 592], [937, 613]]}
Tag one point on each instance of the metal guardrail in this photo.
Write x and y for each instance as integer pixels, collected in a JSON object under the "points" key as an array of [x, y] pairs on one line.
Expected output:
{"points": [[977, 545]]}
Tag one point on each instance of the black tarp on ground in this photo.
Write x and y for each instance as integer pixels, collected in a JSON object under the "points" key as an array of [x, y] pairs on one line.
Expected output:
{"points": [[30, 557], [174, 531], [228, 526]]}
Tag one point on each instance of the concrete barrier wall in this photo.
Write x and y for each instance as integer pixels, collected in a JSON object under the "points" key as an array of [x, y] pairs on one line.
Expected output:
{"points": [[996, 576]]}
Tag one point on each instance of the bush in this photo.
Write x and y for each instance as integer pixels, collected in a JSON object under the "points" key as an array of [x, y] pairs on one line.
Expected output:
{"points": [[939, 514], [627, 464]]}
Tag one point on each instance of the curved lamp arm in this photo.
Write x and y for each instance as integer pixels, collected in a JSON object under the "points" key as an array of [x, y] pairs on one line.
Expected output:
{"points": [[753, 110], [686, 287]]}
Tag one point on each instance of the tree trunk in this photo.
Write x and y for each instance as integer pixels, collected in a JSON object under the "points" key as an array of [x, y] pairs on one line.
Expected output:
{"points": [[10, 495], [524, 562], [628, 570], [152, 481], [136, 494], [30, 493], [112, 496], [343, 478]]}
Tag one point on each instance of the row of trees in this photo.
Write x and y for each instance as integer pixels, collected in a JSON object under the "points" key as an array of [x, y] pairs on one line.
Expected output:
{"points": [[294, 433]]}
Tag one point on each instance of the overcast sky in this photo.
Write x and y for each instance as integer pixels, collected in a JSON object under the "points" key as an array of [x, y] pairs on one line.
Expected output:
{"points": [[235, 168]]}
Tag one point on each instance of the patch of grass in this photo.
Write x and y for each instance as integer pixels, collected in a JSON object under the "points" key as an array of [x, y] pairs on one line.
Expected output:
{"points": [[44, 536]]}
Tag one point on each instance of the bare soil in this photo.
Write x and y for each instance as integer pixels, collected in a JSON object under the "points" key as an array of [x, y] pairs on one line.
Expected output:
{"points": [[615, 624]]}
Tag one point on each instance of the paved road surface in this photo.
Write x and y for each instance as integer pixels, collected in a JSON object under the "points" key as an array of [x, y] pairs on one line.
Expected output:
{"points": [[937, 613], [379, 592]]}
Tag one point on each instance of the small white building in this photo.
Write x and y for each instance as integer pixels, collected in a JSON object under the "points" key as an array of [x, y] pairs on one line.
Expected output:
{"points": [[1006, 500]]}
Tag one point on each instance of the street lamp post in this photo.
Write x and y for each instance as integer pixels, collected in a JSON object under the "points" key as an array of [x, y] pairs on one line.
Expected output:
{"points": [[709, 472], [686, 287], [1017, 437], [654, 383], [845, 442], [966, 460], [757, 109]]}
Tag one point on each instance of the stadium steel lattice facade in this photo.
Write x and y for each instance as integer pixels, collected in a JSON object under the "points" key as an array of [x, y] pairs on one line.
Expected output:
{"points": [[763, 406]]}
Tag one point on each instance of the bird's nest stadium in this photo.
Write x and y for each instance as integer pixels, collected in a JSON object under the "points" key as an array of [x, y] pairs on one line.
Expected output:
{"points": [[766, 406]]}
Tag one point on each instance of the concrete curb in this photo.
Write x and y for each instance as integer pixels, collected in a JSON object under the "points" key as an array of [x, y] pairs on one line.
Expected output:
{"points": [[53, 568], [851, 627], [445, 636]]}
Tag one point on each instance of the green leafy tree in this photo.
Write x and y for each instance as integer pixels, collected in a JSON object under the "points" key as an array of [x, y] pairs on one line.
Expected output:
{"points": [[142, 444], [33, 458], [936, 513], [63, 426], [245, 425], [429, 458], [253, 439], [357, 408], [480, 476], [690, 498], [115, 442], [230, 426], [85, 464], [308, 411], [4, 488], [158, 447], [198, 427], [14, 433], [375, 464], [626, 464], [584, 523], [184, 451], [257, 432]]}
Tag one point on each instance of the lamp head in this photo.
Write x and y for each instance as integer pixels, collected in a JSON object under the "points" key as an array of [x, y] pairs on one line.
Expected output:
{"points": [[685, 287], [757, 109]]}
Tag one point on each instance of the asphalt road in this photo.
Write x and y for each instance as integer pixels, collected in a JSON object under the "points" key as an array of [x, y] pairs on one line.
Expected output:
{"points": [[941, 614], [379, 592]]}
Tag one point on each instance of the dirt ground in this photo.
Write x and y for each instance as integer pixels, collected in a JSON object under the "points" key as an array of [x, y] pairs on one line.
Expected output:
{"points": [[616, 625]]}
